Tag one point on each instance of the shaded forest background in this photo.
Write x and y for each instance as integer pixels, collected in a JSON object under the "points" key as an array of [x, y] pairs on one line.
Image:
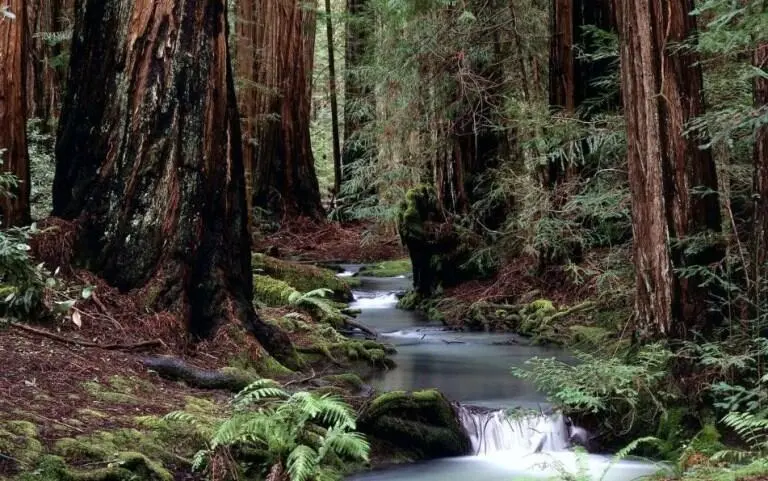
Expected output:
{"points": [[585, 172]]}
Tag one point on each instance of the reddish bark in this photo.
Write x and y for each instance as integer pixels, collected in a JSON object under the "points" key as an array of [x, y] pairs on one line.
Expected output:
{"points": [[662, 91], [14, 211], [284, 178], [149, 160]]}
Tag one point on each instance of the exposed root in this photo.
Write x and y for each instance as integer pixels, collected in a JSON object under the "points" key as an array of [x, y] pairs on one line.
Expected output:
{"points": [[175, 369]]}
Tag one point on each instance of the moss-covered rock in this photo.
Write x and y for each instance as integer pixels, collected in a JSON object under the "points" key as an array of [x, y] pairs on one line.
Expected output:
{"points": [[124, 466], [399, 267], [422, 422], [302, 277]]}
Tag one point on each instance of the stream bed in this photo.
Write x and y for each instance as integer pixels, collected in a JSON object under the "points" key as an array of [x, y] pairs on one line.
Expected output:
{"points": [[473, 369]]}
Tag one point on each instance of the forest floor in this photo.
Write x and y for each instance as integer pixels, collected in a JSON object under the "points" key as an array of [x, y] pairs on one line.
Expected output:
{"points": [[327, 242], [76, 386]]}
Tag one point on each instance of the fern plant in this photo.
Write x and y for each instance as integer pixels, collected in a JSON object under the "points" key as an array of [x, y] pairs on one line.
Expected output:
{"points": [[301, 436]]}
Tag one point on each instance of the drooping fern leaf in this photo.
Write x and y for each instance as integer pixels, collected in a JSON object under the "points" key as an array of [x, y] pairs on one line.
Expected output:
{"points": [[301, 463]]}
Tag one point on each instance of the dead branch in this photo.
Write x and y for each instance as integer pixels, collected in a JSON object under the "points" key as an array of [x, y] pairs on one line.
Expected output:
{"points": [[76, 342]]}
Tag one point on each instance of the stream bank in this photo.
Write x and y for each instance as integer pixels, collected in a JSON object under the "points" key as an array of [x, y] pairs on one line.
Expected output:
{"points": [[472, 370]]}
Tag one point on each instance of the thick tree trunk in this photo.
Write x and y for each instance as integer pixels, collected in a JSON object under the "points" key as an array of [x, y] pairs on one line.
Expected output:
{"points": [[662, 91], [44, 77], [14, 211], [284, 179], [149, 161], [359, 104], [760, 228]]}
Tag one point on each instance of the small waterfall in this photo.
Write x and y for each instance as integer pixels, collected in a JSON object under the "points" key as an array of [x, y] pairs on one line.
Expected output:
{"points": [[495, 430]]}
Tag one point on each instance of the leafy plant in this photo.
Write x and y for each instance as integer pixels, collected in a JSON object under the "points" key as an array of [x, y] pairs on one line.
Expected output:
{"points": [[624, 392], [302, 435]]}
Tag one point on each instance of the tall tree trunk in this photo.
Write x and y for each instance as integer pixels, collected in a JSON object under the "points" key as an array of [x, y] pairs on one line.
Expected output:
{"points": [[44, 77], [359, 103], [334, 96], [149, 161], [662, 91], [571, 79], [14, 210], [760, 228], [247, 66], [284, 179]]}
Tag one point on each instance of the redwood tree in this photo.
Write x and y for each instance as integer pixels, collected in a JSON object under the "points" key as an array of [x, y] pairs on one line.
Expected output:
{"points": [[284, 179], [14, 210], [571, 78], [358, 98], [149, 160], [44, 74], [662, 91]]}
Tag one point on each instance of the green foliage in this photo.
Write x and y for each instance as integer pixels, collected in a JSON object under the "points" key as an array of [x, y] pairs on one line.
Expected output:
{"points": [[42, 166], [306, 433], [624, 392]]}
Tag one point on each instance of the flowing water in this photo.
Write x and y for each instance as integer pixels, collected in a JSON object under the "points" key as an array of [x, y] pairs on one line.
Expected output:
{"points": [[472, 369]]}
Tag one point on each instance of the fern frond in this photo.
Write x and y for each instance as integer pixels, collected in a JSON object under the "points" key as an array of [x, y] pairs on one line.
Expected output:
{"points": [[751, 428], [344, 443], [301, 463], [257, 391]]}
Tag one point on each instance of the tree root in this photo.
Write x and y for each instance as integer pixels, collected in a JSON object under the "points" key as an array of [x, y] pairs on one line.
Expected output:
{"points": [[76, 342], [175, 369]]}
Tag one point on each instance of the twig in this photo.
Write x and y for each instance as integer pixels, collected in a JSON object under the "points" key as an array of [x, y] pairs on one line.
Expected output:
{"points": [[308, 378], [109, 347]]}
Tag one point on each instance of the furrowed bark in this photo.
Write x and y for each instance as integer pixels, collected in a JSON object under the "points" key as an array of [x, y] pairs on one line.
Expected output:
{"points": [[662, 91], [14, 210], [284, 178], [149, 161]]}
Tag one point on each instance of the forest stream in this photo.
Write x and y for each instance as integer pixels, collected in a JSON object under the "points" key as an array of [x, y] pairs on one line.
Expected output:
{"points": [[472, 369]]}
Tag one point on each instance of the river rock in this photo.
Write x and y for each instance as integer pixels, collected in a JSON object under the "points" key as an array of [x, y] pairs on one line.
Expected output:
{"points": [[421, 422]]}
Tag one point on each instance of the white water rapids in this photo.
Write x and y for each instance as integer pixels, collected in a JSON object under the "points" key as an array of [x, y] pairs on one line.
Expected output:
{"points": [[492, 431]]}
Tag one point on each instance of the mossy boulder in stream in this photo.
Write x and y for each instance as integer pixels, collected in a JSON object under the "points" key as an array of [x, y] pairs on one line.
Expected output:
{"points": [[302, 277], [422, 422]]}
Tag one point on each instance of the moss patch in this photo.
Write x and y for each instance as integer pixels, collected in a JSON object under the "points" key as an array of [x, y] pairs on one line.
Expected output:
{"points": [[19, 440], [400, 267], [422, 422], [302, 277]]}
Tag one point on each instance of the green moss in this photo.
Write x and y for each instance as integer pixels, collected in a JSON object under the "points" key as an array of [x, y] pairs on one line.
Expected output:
{"points": [[542, 305], [302, 277], [410, 301], [272, 292], [423, 422], [394, 268], [128, 466], [92, 413], [101, 393], [348, 380], [19, 440]]}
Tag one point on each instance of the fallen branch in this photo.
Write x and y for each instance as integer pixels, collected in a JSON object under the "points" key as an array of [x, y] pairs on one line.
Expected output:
{"points": [[355, 324], [77, 342]]}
